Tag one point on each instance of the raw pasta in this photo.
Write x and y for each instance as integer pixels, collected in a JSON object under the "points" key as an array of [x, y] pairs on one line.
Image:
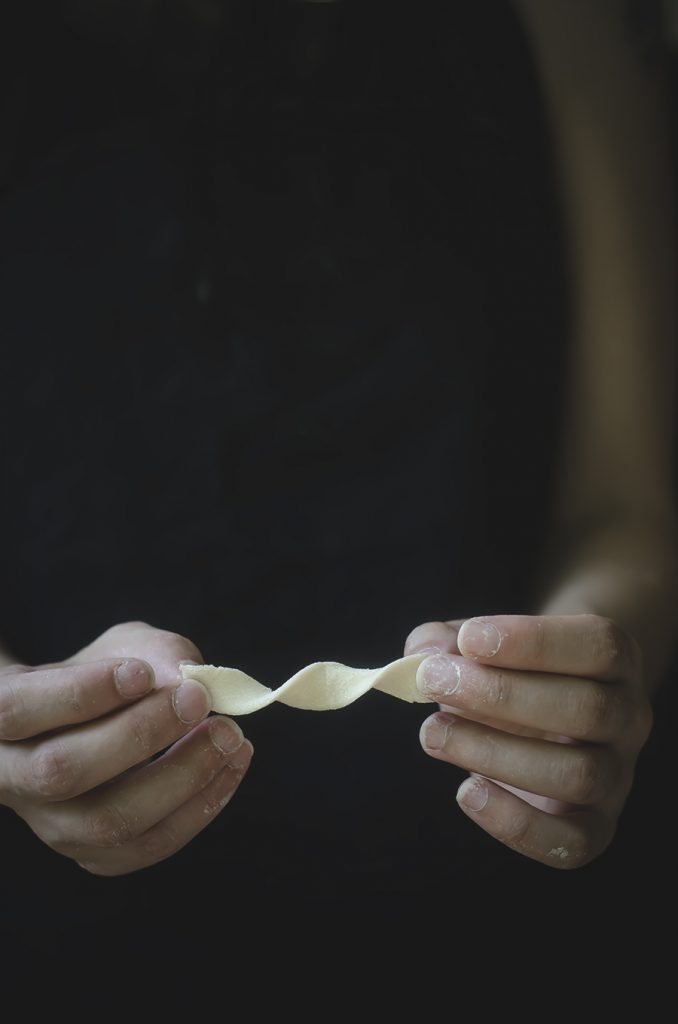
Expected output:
{"points": [[321, 686]]}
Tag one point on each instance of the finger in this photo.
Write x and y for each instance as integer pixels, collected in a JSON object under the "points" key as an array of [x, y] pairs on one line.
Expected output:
{"points": [[494, 723], [34, 701], [544, 803], [577, 645], [164, 649], [577, 774], [561, 841], [121, 811], [173, 832], [64, 765], [555, 704], [434, 636]]}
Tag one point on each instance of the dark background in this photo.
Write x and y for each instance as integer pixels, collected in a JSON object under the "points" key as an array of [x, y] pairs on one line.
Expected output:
{"points": [[157, 424]]}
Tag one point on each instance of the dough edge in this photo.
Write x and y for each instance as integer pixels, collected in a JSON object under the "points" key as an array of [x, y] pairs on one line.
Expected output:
{"points": [[319, 686]]}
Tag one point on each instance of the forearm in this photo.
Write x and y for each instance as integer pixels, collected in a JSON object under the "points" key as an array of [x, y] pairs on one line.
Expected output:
{"points": [[610, 120], [613, 548], [628, 575]]}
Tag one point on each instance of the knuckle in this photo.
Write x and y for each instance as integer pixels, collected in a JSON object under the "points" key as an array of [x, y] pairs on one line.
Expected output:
{"points": [[132, 624], [184, 646], [484, 750], [609, 648], [119, 633], [108, 827], [593, 711], [53, 772], [71, 698], [10, 711], [581, 777]]}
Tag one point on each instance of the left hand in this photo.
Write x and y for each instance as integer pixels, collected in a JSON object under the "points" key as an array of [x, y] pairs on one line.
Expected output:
{"points": [[549, 722]]}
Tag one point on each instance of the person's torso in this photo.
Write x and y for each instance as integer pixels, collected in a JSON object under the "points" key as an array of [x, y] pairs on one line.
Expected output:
{"points": [[255, 398]]}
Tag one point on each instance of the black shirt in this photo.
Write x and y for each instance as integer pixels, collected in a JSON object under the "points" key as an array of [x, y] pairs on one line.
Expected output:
{"points": [[286, 343]]}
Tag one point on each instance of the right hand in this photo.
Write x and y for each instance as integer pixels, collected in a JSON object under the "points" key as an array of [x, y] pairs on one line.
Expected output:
{"points": [[76, 742]]}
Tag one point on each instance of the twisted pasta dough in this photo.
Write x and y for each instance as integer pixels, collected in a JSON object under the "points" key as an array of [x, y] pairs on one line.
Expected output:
{"points": [[321, 686]]}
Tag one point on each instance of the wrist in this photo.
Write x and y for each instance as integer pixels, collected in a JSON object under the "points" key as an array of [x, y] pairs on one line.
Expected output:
{"points": [[626, 575]]}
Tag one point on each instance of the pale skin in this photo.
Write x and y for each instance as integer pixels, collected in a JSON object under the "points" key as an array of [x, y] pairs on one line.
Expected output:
{"points": [[78, 739], [549, 726], [556, 718], [558, 715]]}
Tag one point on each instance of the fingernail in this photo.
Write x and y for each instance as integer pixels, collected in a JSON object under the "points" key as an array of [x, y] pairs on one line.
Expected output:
{"points": [[226, 735], [191, 701], [189, 663], [133, 677], [438, 676], [239, 759], [479, 639], [473, 794], [435, 730], [424, 650]]}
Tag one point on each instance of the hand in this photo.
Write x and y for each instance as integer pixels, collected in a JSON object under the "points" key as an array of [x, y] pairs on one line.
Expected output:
{"points": [[549, 718], [77, 740]]}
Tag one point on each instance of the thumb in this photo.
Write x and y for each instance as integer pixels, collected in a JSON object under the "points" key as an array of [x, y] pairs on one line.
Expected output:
{"points": [[440, 635], [161, 648]]}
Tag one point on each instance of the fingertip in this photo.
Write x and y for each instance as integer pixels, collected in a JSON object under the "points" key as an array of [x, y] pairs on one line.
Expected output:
{"points": [[226, 734], [134, 677], [479, 638], [239, 761], [191, 701], [424, 653], [435, 637], [435, 734], [425, 730], [473, 794], [425, 635]]}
